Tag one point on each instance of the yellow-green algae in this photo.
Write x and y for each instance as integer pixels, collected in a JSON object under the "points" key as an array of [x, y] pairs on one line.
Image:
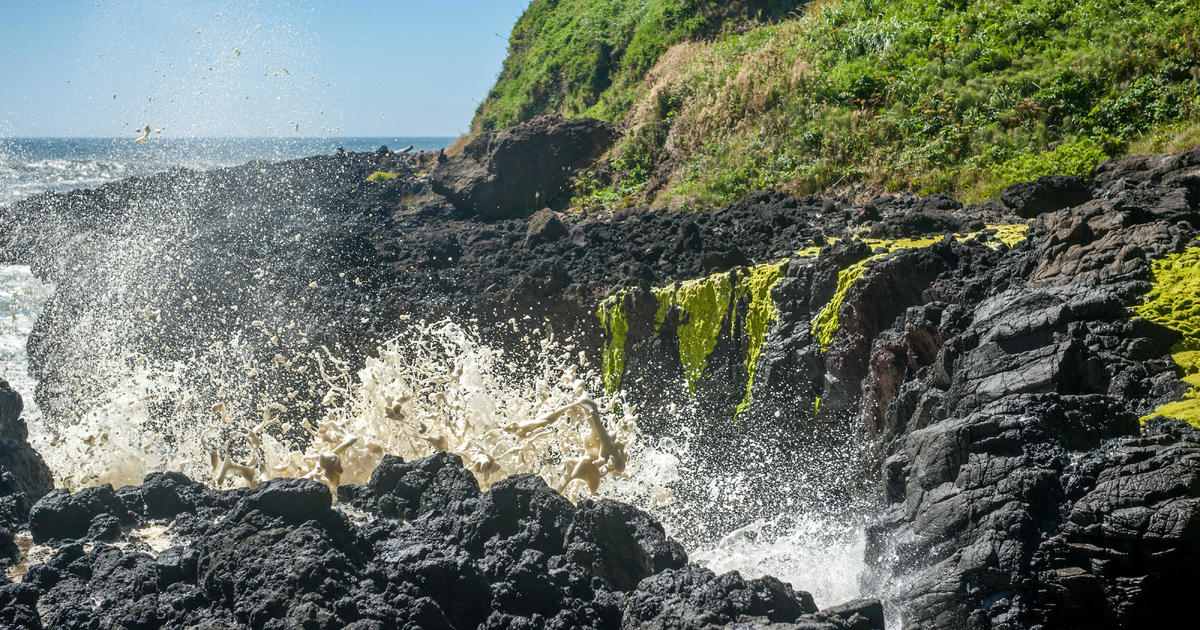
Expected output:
{"points": [[825, 324], [707, 302], [616, 328], [760, 314], [1174, 301], [379, 176], [1010, 235]]}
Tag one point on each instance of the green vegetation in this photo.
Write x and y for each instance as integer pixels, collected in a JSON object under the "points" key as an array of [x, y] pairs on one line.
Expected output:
{"points": [[380, 176], [616, 329], [761, 312], [706, 304], [825, 324], [588, 57], [1174, 301], [956, 96]]}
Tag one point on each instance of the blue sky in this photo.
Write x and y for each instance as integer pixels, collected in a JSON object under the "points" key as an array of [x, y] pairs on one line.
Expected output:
{"points": [[266, 68]]}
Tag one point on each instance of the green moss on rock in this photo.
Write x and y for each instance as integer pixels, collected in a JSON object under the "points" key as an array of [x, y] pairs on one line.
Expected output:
{"points": [[706, 304], [760, 314], [1174, 301], [382, 176], [616, 329], [825, 323]]}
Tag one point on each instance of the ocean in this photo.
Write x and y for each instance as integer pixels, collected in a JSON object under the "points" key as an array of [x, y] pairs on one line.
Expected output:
{"points": [[33, 165]]}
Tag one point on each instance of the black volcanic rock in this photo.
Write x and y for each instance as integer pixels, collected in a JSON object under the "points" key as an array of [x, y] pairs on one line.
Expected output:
{"points": [[21, 468], [277, 556], [545, 226], [24, 477], [999, 389], [1045, 194], [61, 514], [1022, 489], [514, 171], [400, 489]]}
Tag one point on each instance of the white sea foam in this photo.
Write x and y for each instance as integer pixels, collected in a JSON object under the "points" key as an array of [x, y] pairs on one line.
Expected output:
{"points": [[817, 552], [442, 388]]}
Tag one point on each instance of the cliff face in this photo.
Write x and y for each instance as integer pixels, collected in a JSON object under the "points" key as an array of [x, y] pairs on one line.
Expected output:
{"points": [[1002, 374]]}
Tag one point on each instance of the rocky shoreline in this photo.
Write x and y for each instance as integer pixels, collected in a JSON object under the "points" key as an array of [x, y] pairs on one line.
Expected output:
{"points": [[995, 372], [418, 546]]}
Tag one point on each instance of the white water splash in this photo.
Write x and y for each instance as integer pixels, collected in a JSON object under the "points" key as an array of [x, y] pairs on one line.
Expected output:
{"points": [[818, 553], [442, 388], [21, 299]]}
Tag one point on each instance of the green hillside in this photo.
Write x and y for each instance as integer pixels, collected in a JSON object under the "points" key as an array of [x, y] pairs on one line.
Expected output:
{"points": [[588, 57], [957, 97]]}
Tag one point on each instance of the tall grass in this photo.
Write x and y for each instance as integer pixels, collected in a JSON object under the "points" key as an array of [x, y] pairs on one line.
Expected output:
{"points": [[588, 57], [932, 96]]}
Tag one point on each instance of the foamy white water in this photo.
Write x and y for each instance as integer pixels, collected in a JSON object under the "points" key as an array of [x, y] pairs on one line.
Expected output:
{"points": [[21, 299], [818, 553], [441, 390]]}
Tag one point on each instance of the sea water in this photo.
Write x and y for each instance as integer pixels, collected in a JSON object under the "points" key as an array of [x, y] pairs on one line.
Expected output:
{"points": [[32, 165]]}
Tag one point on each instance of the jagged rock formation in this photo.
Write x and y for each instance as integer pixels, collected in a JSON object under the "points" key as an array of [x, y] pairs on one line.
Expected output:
{"points": [[514, 171], [1022, 490], [428, 550], [24, 477]]}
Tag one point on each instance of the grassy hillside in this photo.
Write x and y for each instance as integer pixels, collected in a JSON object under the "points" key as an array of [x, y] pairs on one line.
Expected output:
{"points": [[588, 57], [933, 96]]}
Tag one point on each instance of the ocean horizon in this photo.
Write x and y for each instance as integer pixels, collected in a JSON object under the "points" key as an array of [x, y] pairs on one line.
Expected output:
{"points": [[33, 164]]}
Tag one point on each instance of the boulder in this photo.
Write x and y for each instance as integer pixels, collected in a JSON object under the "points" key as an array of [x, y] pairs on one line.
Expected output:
{"points": [[545, 226], [62, 515], [514, 171], [295, 501], [1045, 194], [434, 552]]}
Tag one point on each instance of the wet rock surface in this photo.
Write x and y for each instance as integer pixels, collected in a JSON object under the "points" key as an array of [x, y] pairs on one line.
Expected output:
{"points": [[1022, 490], [445, 555], [24, 477], [160, 263]]}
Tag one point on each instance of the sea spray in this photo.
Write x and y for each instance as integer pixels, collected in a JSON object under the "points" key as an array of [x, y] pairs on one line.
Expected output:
{"points": [[441, 389], [807, 549], [21, 298], [199, 341], [755, 508]]}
